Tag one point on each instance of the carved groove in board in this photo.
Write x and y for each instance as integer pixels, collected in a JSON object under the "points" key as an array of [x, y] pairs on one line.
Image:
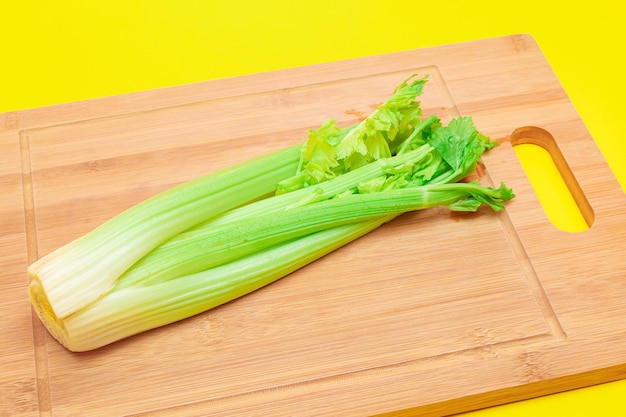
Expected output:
{"points": [[274, 393], [446, 95], [533, 279], [487, 348], [527, 267], [518, 248], [39, 332]]}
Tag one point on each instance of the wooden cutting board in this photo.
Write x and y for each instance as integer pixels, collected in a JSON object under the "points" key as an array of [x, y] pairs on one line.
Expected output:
{"points": [[434, 313]]}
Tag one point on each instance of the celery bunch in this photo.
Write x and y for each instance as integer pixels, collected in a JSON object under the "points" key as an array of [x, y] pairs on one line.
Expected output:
{"points": [[212, 240]]}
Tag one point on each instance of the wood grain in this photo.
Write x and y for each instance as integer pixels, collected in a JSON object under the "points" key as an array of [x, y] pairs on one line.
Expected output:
{"points": [[434, 313]]}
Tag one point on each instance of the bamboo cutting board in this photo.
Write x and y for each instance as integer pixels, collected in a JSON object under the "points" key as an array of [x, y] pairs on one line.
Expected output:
{"points": [[434, 313]]}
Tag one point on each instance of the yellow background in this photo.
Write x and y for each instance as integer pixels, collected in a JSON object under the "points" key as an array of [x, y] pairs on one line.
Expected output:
{"points": [[61, 51]]}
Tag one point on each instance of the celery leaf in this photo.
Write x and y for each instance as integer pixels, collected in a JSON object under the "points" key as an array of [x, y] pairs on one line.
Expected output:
{"points": [[460, 144]]}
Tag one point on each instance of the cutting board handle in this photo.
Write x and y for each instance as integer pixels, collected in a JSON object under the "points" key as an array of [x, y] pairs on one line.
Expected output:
{"points": [[540, 137]]}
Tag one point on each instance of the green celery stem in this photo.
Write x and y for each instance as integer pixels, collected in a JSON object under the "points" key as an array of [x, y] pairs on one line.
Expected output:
{"points": [[126, 312], [210, 247], [80, 272]]}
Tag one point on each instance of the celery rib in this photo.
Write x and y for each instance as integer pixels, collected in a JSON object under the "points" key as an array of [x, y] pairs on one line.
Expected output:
{"points": [[110, 249], [166, 264], [126, 312], [134, 309], [206, 248]]}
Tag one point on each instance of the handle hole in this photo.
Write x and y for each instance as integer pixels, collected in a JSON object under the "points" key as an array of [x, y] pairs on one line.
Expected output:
{"points": [[559, 193]]}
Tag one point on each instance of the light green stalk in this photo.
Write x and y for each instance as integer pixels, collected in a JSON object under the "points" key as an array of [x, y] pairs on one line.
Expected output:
{"points": [[211, 240], [208, 247], [80, 272], [133, 310], [279, 247]]}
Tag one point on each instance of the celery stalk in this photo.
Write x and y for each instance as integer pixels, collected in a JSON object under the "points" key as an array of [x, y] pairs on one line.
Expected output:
{"points": [[133, 310], [214, 239], [173, 259], [78, 273], [260, 224], [281, 246], [458, 147]]}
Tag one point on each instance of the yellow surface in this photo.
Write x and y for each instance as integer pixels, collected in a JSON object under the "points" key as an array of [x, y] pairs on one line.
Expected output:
{"points": [[63, 51], [551, 189]]}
